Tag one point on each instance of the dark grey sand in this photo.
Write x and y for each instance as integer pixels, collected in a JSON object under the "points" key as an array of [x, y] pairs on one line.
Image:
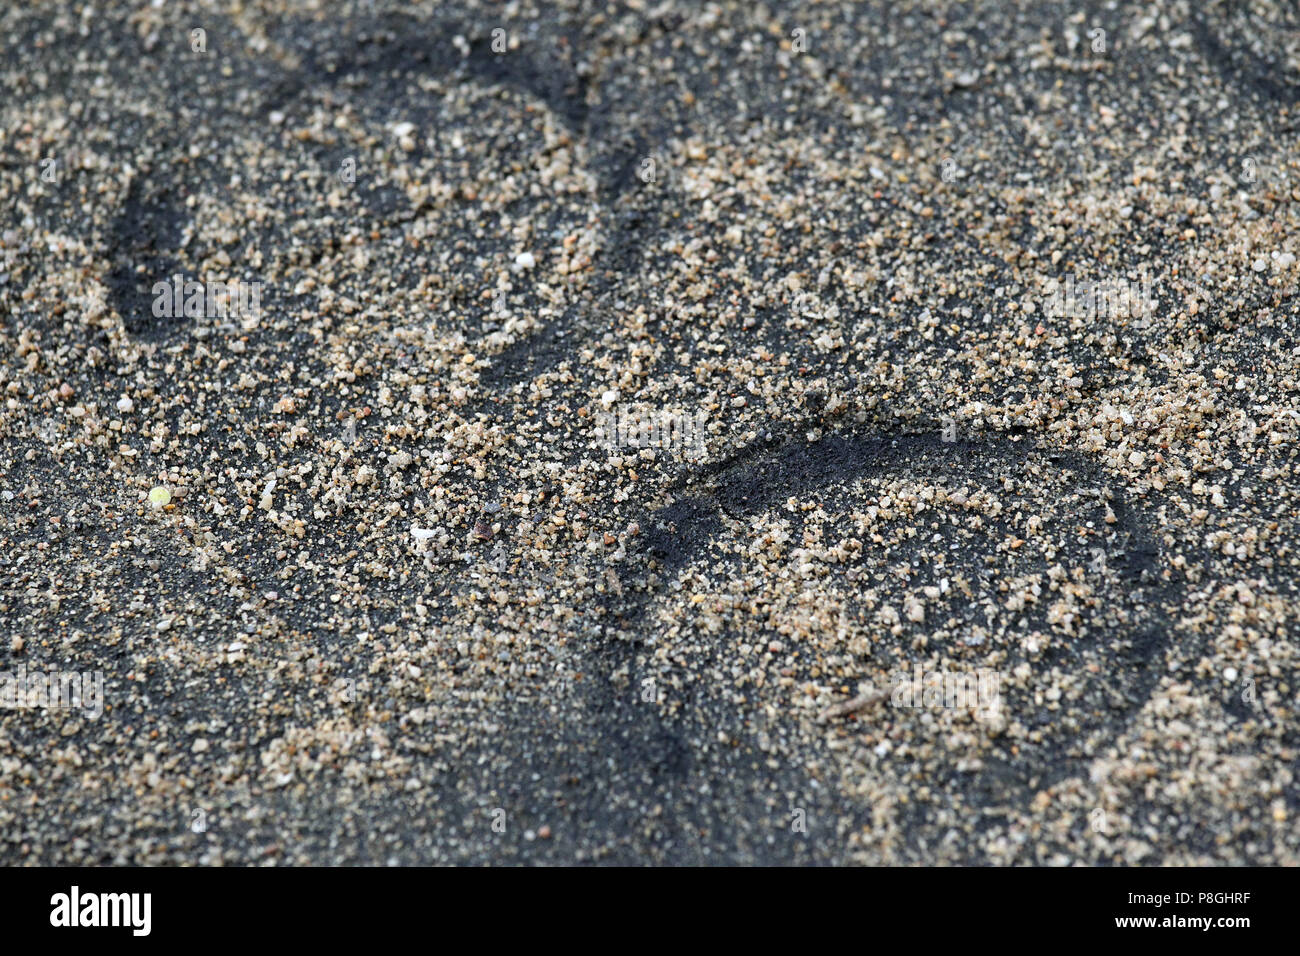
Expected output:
{"points": [[459, 628]]}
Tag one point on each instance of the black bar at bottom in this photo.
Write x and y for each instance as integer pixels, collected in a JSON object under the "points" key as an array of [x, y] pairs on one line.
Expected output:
{"points": [[335, 907]]}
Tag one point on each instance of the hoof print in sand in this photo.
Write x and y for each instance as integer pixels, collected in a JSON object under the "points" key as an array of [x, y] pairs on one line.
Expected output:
{"points": [[876, 560]]}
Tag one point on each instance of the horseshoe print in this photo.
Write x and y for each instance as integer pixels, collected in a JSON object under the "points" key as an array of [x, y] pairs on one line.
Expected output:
{"points": [[665, 668]]}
